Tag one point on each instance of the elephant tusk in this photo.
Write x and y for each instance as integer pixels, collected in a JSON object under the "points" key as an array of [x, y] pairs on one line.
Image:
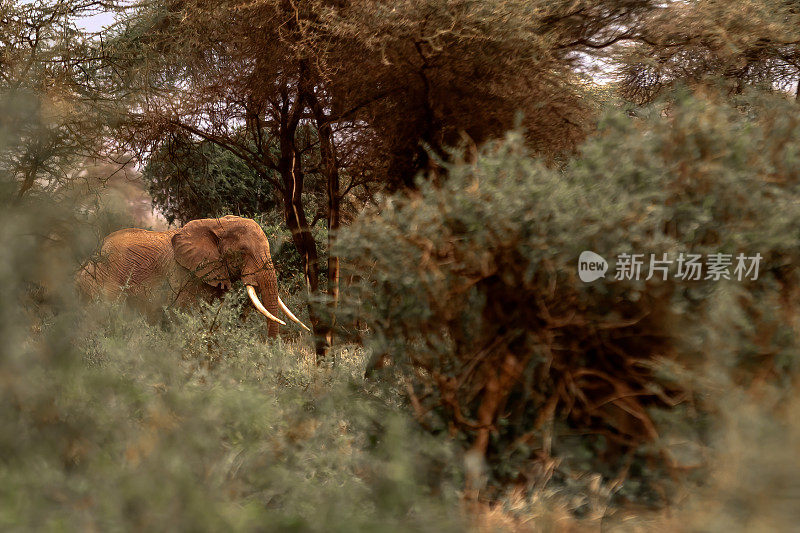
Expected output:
{"points": [[290, 314], [251, 292]]}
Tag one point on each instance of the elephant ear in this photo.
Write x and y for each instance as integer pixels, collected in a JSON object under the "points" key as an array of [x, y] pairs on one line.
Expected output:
{"points": [[196, 247]]}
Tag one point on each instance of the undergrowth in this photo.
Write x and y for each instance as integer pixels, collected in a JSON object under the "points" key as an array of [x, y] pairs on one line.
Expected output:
{"points": [[202, 425]]}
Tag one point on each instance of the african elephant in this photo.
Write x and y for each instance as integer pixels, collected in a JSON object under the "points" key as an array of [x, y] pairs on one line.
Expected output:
{"points": [[177, 267]]}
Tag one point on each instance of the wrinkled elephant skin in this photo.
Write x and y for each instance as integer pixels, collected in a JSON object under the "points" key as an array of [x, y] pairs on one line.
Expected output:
{"points": [[201, 260]]}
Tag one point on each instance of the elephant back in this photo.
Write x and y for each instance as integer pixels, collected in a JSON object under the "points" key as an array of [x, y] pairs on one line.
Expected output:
{"points": [[130, 257]]}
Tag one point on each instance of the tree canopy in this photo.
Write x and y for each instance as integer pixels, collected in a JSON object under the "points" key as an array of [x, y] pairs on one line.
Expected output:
{"points": [[190, 180], [743, 43], [388, 88]]}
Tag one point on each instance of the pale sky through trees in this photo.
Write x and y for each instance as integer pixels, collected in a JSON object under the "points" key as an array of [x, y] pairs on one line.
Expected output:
{"points": [[97, 22]]}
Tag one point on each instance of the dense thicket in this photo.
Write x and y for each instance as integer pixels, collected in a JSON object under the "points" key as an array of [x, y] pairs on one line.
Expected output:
{"points": [[539, 398], [472, 287], [108, 422], [188, 180], [385, 87]]}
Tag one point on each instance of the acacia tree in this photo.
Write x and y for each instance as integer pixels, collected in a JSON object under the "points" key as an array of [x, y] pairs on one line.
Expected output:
{"points": [[427, 76], [386, 87], [228, 76], [744, 43], [44, 106]]}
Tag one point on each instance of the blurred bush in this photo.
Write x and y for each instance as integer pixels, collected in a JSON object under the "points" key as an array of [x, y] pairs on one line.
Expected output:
{"points": [[107, 423], [471, 289]]}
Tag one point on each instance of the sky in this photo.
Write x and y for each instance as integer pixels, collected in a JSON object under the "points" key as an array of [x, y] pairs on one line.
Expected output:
{"points": [[96, 23]]}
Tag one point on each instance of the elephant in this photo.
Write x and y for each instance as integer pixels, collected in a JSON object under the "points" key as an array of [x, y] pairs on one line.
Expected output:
{"points": [[175, 268]]}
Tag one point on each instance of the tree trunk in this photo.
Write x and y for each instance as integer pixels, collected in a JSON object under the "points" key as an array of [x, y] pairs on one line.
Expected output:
{"points": [[307, 247], [290, 168], [333, 260], [330, 169]]}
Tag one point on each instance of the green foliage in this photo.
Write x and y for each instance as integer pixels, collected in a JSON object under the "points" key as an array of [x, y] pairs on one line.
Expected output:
{"points": [[287, 260], [578, 397], [188, 180], [472, 288], [205, 427], [108, 423]]}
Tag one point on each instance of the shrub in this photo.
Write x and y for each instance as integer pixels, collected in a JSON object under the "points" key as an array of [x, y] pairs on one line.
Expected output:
{"points": [[472, 287], [107, 423], [189, 180]]}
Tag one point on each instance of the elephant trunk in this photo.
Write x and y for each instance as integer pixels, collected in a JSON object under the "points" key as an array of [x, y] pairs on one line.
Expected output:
{"points": [[251, 292], [267, 282]]}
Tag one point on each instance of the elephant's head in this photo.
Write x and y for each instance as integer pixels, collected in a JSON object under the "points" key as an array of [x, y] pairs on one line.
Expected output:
{"points": [[223, 250]]}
